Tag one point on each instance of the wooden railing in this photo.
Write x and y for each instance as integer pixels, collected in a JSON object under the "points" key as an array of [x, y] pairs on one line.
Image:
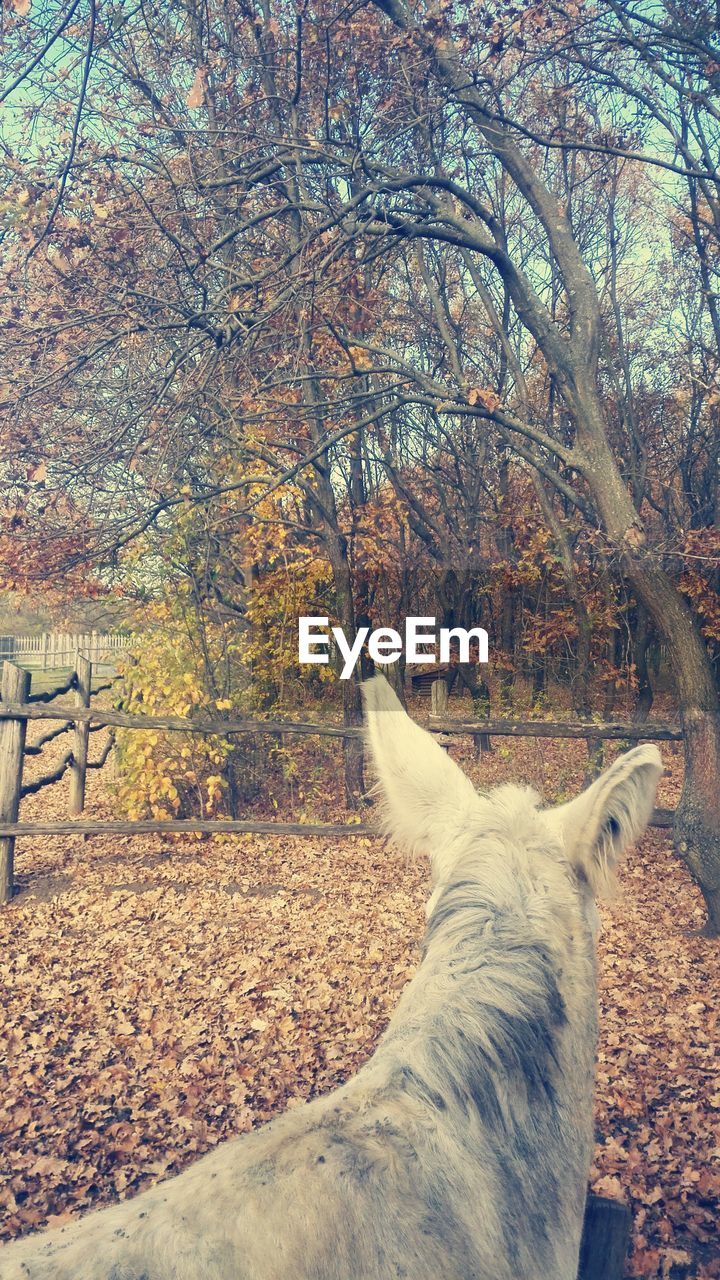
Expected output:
{"points": [[14, 749], [17, 708]]}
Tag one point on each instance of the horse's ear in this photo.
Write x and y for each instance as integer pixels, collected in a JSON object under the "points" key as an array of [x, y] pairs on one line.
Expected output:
{"points": [[600, 824], [425, 799]]}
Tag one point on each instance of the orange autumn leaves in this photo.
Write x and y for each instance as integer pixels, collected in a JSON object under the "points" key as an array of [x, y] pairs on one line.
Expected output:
{"points": [[160, 996]]}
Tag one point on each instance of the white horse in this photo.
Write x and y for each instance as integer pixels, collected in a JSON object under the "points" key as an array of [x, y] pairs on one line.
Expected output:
{"points": [[461, 1150]]}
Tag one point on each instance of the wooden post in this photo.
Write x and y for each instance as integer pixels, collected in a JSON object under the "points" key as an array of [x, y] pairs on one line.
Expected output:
{"points": [[439, 699], [605, 1239], [78, 770], [15, 688], [45, 651]]}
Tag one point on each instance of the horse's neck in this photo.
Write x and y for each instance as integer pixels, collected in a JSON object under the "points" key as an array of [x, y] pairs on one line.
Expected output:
{"points": [[491, 986]]}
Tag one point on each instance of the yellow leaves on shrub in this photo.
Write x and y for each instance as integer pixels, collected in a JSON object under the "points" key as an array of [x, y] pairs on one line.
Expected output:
{"points": [[167, 775], [290, 588]]}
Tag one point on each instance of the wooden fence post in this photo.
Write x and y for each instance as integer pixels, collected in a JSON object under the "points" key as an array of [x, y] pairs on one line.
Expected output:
{"points": [[605, 1239], [439, 699], [15, 688], [78, 769]]}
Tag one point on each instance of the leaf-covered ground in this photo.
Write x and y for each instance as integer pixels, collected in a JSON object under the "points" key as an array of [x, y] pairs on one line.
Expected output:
{"points": [[159, 995]]}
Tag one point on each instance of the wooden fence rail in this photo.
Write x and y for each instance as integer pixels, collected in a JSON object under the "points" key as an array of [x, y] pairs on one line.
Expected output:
{"points": [[208, 826], [600, 730], [212, 826], [49, 695]]}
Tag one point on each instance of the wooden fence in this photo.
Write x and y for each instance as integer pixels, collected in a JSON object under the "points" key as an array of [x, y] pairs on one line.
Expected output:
{"points": [[13, 749], [17, 708], [53, 649]]}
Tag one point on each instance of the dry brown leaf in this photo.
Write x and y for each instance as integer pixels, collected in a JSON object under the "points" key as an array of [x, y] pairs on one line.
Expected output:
{"points": [[166, 996], [196, 96]]}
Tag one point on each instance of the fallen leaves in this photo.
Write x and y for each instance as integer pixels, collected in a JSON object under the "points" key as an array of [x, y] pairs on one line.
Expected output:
{"points": [[162, 995], [657, 1063]]}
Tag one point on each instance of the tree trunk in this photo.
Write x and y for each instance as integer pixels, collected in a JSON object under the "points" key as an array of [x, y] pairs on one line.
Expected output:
{"points": [[352, 701], [466, 673], [596, 748], [697, 817], [507, 638], [641, 641], [504, 538], [613, 657], [580, 685], [581, 679], [539, 679]]}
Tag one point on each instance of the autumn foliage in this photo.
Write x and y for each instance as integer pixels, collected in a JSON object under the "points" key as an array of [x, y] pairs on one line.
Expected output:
{"points": [[365, 312]]}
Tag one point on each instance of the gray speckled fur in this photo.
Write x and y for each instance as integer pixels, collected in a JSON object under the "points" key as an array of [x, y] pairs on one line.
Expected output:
{"points": [[461, 1150]]}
